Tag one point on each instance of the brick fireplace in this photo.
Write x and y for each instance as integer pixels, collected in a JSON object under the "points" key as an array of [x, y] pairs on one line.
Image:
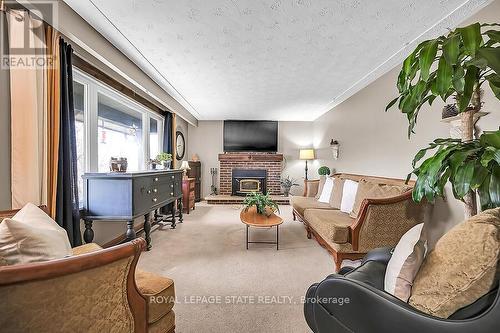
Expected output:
{"points": [[272, 163]]}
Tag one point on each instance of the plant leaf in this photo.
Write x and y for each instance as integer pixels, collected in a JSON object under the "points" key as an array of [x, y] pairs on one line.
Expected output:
{"points": [[426, 58], [443, 78], [494, 82], [451, 49], [391, 104], [459, 79], [471, 37], [490, 138], [470, 80], [463, 179], [494, 187], [492, 56], [494, 35]]}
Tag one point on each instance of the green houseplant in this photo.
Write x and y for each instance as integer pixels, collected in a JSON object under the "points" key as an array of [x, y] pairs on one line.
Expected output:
{"points": [[324, 171], [262, 203], [455, 66], [287, 183], [165, 159]]}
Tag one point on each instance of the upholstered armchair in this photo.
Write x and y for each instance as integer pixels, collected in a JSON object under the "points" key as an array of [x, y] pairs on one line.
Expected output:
{"points": [[95, 290]]}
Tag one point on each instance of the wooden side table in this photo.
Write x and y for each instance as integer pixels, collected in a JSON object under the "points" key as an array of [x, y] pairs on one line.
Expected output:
{"points": [[188, 195], [251, 218]]}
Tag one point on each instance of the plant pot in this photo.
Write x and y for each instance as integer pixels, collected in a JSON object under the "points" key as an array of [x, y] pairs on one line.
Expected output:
{"points": [[286, 191], [167, 165], [153, 166]]}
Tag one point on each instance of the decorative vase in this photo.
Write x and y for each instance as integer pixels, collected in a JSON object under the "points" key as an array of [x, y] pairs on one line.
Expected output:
{"points": [[167, 165], [286, 191]]}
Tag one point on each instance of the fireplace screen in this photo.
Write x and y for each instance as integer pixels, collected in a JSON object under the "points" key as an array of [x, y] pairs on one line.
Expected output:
{"points": [[249, 185]]}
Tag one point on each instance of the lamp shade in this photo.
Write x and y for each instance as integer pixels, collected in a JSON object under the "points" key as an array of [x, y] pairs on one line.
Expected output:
{"points": [[306, 154], [185, 165]]}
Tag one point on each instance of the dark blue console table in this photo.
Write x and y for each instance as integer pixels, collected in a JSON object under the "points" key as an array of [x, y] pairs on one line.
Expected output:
{"points": [[126, 196]]}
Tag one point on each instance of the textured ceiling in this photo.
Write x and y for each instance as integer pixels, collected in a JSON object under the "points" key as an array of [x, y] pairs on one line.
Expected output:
{"points": [[273, 59]]}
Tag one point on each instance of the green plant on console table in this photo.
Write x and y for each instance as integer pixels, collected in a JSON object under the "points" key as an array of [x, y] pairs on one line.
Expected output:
{"points": [[261, 201], [468, 166], [324, 171], [164, 156]]}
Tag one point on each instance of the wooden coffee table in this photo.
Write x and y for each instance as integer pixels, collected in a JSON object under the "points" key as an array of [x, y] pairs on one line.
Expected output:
{"points": [[252, 219]]}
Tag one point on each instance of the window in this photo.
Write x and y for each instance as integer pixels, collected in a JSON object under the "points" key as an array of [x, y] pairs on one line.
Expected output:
{"points": [[110, 124]]}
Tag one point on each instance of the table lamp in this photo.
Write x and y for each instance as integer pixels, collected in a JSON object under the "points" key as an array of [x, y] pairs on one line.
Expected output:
{"points": [[185, 167], [306, 155]]}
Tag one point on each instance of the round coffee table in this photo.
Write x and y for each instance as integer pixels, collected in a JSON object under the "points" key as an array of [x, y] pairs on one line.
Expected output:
{"points": [[251, 218]]}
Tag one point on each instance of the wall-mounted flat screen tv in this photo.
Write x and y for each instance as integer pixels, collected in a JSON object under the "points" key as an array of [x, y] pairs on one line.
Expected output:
{"points": [[250, 135]]}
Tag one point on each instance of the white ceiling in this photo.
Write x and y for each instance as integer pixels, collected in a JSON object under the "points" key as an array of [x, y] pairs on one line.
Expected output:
{"points": [[268, 59]]}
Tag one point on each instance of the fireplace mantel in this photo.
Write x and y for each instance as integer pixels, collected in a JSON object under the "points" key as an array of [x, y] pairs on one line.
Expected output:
{"points": [[251, 157]]}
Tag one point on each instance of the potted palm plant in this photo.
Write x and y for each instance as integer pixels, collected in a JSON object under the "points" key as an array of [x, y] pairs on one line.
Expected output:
{"points": [[458, 65], [263, 203]]}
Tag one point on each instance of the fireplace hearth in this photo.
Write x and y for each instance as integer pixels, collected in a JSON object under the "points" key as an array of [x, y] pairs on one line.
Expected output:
{"points": [[246, 181]]}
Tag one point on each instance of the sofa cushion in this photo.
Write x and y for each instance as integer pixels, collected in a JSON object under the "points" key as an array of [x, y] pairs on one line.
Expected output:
{"points": [[165, 325], [373, 190], [312, 188], [336, 197], [300, 204], [86, 248], [349, 191], [461, 268], [32, 236], [332, 225], [159, 292], [326, 191], [322, 180]]}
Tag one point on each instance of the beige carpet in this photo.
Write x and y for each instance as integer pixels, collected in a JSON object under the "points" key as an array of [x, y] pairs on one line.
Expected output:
{"points": [[222, 287]]}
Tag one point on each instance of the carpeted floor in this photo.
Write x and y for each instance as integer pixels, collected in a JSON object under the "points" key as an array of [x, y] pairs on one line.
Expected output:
{"points": [[222, 287]]}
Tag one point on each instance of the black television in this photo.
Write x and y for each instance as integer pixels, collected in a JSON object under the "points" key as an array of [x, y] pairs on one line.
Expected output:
{"points": [[250, 135]]}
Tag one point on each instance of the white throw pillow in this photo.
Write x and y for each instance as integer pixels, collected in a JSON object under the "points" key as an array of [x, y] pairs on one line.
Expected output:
{"points": [[348, 196], [327, 191], [406, 259], [32, 236]]}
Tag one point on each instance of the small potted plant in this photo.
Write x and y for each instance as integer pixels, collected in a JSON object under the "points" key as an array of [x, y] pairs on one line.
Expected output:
{"points": [[165, 159], [324, 171], [262, 203], [286, 184]]}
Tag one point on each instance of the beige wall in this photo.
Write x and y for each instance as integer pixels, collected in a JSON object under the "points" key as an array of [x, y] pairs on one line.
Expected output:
{"points": [[374, 142], [206, 140]]}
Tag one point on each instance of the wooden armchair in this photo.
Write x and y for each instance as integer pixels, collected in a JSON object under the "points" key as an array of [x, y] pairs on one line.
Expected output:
{"points": [[96, 290]]}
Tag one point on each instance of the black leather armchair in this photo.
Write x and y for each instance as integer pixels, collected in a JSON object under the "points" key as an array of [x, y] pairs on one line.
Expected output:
{"points": [[355, 301]]}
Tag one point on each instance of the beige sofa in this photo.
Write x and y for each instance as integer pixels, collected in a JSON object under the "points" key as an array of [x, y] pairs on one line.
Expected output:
{"points": [[384, 215]]}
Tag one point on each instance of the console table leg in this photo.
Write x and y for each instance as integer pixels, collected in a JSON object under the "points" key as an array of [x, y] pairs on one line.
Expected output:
{"points": [[147, 231], [247, 236], [181, 208], [88, 234], [173, 215], [130, 230]]}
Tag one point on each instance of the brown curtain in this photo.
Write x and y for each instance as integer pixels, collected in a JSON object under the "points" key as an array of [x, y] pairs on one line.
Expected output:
{"points": [[34, 102], [53, 116]]}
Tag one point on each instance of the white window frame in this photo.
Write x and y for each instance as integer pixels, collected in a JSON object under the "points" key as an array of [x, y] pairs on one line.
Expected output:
{"points": [[92, 89]]}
